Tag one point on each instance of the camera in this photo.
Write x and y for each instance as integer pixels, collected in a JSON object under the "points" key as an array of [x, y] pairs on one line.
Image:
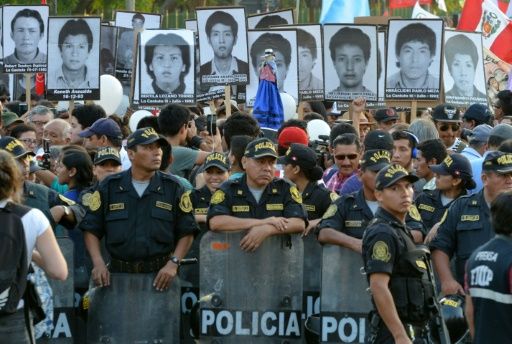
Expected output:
{"points": [[45, 161], [321, 148]]}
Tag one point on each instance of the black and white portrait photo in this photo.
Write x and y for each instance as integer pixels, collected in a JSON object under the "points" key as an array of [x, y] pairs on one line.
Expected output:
{"points": [[108, 49], [222, 46], [464, 79], [73, 59], [309, 50], [283, 42], [166, 67], [269, 19], [24, 38], [137, 20], [350, 53], [413, 64]]}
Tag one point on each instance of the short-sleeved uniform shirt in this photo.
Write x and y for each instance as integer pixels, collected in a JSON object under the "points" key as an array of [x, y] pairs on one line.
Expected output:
{"points": [[316, 199], [139, 228], [350, 214], [466, 226], [234, 198], [431, 207]]}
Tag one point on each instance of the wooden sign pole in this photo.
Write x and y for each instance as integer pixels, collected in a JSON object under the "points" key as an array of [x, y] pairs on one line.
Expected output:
{"points": [[28, 86], [414, 109], [227, 100]]}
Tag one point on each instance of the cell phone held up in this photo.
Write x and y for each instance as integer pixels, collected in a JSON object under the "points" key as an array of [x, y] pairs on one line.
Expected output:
{"points": [[211, 124], [45, 161]]}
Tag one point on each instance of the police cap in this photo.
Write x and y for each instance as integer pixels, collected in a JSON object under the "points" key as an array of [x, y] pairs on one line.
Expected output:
{"points": [[391, 174], [218, 160], [14, 147], [385, 115], [299, 154], [107, 153], [145, 136], [457, 166], [260, 148], [375, 160], [498, 162]]}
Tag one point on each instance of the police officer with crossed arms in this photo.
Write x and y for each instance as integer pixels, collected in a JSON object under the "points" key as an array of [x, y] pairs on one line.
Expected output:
{"points": [[145, 216], [396, 270], [257, 202]]}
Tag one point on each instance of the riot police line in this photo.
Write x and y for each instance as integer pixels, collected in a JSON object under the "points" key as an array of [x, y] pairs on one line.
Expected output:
{"points": [[225, 309]]}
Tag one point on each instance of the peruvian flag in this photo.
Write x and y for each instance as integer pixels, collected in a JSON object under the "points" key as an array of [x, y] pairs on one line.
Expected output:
{"points": [[406, 3], [472, 12], [496, 31]]}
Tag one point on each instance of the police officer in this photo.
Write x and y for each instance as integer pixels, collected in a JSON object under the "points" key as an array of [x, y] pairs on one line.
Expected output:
{"points": [[488, 284], [57, 208], [346, 219], [257, 202], [300, 168], [145, 216], [453, 177], [400, 290], [466, 225]]}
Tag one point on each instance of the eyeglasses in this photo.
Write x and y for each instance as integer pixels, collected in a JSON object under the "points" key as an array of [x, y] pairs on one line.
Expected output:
{"points": [[29, 141], [345, 156], [445, 127], [39, 123]]}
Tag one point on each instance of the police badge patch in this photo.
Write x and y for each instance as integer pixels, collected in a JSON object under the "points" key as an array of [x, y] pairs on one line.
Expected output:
{"points": [[330, 211], [295, 194], [185, 203], [414, 213], [381, 251], [92, 200], [218, 197]]}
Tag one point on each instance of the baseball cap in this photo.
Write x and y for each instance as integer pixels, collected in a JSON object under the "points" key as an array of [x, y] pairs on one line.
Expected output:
{"points": [[390, 175], [216, 160], [260, 148], [477, 112], [9, 118], [145, 136], [291, 135], [375, 159], [503, 131], [14, 147], [378, 139], [299, 154], [446, 113], [480, 133], [385, 115], [107, 153], [498, 162], [457, 166], [103, 126]]}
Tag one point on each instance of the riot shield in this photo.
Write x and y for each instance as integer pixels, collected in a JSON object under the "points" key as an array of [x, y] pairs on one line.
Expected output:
{"points": [[132, 311], [250, 297], [345, 302], [312, 276]]}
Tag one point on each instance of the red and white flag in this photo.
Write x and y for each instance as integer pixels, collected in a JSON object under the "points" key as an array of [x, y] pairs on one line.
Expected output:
{"points": [[496, 31], [472, 12]]}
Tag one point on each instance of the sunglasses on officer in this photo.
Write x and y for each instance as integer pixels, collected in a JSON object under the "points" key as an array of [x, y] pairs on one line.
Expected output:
{"points": [[346, 156]]}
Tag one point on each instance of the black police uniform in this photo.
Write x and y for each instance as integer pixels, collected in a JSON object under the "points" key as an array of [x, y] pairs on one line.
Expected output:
{"points": [[316, 199], [431, 207], [488, 281], [351, 215], [465, 227], [234, 198], [387, 244], [201, 200], [137, 229], [43, 198]]}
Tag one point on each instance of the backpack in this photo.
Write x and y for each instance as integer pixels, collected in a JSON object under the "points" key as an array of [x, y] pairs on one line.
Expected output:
{"points": [[13, 257]]}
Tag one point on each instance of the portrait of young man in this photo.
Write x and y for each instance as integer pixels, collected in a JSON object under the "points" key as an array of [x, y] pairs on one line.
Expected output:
{"points": [[24, 38], [464, 77], [73, 57], [413, 68], [351, 55], [222, 46], [167, 73], [269, 19]]}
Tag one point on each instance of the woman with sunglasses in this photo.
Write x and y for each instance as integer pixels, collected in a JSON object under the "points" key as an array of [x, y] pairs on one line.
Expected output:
{"points": [[448, 124], [453, 178]]}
